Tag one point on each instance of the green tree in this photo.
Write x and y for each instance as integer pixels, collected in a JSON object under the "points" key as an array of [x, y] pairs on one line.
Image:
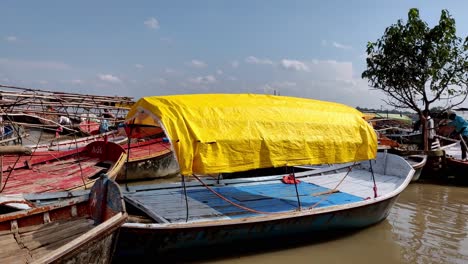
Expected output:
{"points": [[415, 65]]}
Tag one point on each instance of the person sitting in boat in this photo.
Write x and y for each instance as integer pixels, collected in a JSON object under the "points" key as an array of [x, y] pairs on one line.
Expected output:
{"points": [[107, 114], [460, 125], [64, 121], [104, 126]]}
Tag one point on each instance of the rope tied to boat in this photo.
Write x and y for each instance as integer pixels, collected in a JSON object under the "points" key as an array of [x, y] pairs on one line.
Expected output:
{"points": [[229, 201], [331, 191]]}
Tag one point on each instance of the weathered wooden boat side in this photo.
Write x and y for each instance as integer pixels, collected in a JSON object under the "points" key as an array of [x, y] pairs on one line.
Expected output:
{"points": [[330, 199], [69, 144], [149, 159], [88, 127], [77, 230], [61, 170], [453, 157]]}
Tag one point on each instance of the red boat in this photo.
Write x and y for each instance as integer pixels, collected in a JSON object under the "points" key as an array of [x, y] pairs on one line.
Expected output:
{"points": [[50, 171], [89, 127]]}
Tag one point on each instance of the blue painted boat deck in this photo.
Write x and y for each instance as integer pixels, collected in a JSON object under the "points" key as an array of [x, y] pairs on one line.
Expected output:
{"points": [[273, 197]]}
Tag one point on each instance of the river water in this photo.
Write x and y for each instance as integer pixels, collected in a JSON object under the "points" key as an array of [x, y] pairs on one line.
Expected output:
{"points": [[428, 224]]}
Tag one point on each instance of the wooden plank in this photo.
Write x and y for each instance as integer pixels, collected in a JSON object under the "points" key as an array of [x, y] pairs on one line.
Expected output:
{"points": [[42, 251], [146, 210], [108, 226], [49, 227], [34, 241], [15, 257]]}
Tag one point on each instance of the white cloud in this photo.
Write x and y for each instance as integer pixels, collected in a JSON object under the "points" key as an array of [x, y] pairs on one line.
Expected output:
{"points": [[219, 72], [139, 66], [255, 60], [294, 65], [11, 38], [235, 64], [109, 78], [159, 81], [152, 23], [203, 79], [197, 64], [169, 71], [341, 46], [33, 65], [77, 81], [285, 84]]}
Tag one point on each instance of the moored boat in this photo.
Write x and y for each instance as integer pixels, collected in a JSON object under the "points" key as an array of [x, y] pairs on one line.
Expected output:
{"points": [[417, 162], [148, 159], [77, 230], [51, 171], [236, 133]]}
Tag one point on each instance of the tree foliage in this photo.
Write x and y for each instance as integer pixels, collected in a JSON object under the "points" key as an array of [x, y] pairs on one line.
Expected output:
{"points": [[415, 65]]}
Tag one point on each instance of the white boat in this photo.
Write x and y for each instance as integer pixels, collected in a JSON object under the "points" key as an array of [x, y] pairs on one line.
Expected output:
{"points": [[236, 133]]}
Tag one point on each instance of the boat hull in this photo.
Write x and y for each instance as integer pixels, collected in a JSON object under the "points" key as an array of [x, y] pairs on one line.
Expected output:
{"points": [[169, 239]]}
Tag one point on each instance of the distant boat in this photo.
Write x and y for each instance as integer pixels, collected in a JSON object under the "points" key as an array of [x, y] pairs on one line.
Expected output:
{"points": [[77, 230], [88, 127], [231, 133], [70, 144]]}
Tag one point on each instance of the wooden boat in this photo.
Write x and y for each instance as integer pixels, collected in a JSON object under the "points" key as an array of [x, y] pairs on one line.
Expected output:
{"points": [[235, 133], [60, 170], [12, 133], [77, 230], [88, 127], [69, 144], [453, 158], [148, 159]]}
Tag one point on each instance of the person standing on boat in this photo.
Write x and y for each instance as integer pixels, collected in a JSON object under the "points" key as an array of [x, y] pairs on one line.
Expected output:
{"points": [[461, 129], [431, 133], [430, 127], [104, 126]]}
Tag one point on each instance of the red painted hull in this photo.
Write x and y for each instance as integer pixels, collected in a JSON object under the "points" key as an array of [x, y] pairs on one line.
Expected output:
{"points": [[58, 170]]}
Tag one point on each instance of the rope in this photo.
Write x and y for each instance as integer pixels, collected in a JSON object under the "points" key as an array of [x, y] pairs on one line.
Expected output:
{"points": [[229, 201], [339, 183], [9, 174]]}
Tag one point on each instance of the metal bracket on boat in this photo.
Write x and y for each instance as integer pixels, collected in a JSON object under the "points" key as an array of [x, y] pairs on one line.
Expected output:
{"points": [[14, 226], [46, 217], [74, 210]]}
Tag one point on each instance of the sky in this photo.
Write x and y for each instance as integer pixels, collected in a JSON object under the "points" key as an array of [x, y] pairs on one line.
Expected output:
{"points": [[312, 49]]}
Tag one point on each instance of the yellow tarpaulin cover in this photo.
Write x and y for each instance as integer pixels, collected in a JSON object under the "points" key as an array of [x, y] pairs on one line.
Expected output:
{"points": [[213, 133]]}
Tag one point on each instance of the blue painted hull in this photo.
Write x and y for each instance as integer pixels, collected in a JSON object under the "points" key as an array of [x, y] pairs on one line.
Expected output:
{"points": [[159, 240]]}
